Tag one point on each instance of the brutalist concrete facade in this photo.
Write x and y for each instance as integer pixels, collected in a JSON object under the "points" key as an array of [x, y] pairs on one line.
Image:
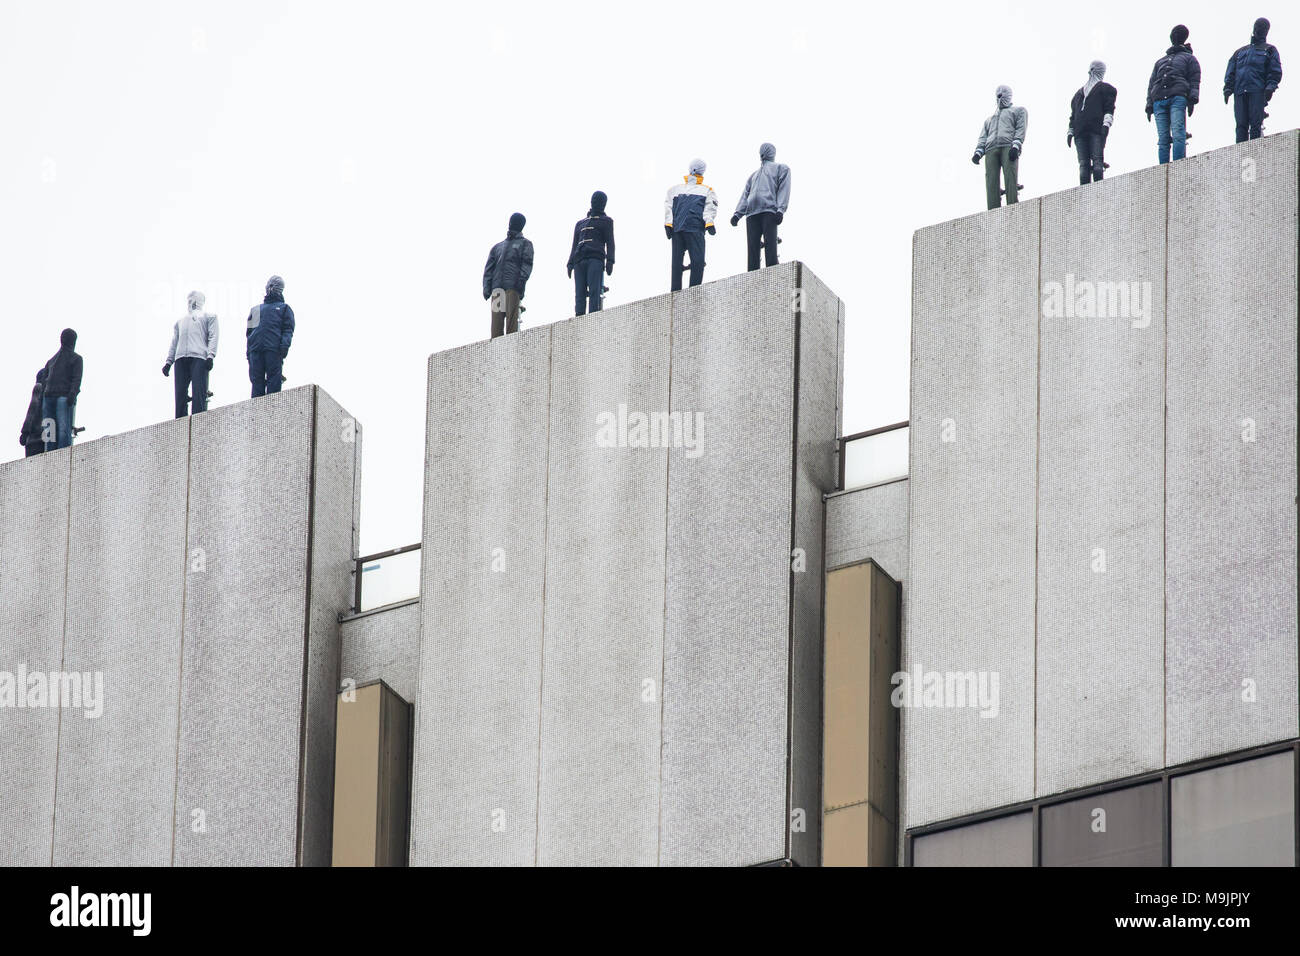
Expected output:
{"points": [[620, 656], [1103, 496], [200, 565]]}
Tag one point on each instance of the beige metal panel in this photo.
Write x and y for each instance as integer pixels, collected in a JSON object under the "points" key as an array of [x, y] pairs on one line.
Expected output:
{"points": [[860, 770], [356, 777]]}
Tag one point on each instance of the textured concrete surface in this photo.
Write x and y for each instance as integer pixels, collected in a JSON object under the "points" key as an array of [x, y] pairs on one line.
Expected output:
{"points": [[476, 739], [869, 523], [652, 705], [383, 646], [1100, 712], [1231, 537], [126, 574], [970, 581], [604, 593], [185, 563], [33, 574]]}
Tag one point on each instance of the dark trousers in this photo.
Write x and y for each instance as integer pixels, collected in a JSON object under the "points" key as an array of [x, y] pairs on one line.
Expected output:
{"points": [[761, 228], [692, 242], [589, 285], [33, 448], [58, 416], [505, 311], [1091, 148], [187, 372], [265, 370], [1249, 109]]}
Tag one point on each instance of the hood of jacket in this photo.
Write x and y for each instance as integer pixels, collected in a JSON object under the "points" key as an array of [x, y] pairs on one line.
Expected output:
{"points": [[767, 152], [1179, 48]]}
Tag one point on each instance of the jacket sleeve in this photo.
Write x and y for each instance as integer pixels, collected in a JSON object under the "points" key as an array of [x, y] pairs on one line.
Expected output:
{"points": [[668, 207], [983, 140], [1230, 75], [213, 333], [286, 332], [525, 265], [1111, 96], [1074, 111], [1274, 79], [1194, 81], [75, 388], [609, 245], [740, 204], [783, 189], [487, 273], [710, 208], [1151, 86], [573, 249], [171, 352], [1022, 127]]}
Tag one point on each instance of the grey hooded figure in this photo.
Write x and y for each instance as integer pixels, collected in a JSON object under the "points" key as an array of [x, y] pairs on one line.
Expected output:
{"points": [[764, 201], [1001, 140]]}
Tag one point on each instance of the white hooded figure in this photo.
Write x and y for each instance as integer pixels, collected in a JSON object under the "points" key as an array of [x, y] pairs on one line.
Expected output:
{"points": [[193, 350]]}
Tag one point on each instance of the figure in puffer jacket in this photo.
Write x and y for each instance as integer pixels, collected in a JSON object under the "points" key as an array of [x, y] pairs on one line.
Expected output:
{"points": [[764, 201], [509, 264], [1172, 94], [689, 210], [194, 349], [1091, 112], [999, 145], [1253, 75], [267, 339]]}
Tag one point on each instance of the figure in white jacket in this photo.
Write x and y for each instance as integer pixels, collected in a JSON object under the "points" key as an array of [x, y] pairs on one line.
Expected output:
{"points": [[194, 349]]}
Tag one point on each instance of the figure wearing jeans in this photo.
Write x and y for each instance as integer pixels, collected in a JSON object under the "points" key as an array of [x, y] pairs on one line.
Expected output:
{"points": [[59, 415], [591, 257], [62, 386], [1091, 113], [1171, 128]]}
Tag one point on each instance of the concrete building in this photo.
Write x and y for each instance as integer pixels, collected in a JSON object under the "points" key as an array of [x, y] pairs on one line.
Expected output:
{"points": [[666, 613]]}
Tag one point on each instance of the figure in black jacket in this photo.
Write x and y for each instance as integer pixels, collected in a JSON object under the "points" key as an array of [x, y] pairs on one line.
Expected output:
{"points": [[1253, 75], [509, 265], [1091, 112], [592, 252], [30, 436], [62, 386], [1172, 94]]}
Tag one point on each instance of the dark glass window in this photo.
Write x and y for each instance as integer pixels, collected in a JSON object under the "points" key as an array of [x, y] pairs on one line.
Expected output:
{"points": [[1242, 814], [1119, 828], [1005, 841]]}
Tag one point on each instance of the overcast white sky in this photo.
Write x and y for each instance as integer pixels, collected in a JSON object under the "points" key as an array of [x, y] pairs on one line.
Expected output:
{"points": [[372, 153]]}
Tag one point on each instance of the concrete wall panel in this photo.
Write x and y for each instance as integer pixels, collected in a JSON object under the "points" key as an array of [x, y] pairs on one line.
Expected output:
{"points": [[384, 646], [724, 786], [971, 548], [126, 574], [1231, 507], [869, 523], [245, 620], [33, 572], [1100, 661], [604, 593], [476, 738]]}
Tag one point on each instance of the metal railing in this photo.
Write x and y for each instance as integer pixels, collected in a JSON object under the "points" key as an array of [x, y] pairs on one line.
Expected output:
{"points": [[874, 457], [386, 577]]}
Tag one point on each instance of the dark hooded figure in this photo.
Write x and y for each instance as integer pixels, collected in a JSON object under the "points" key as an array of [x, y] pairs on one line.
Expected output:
{"points": [[62, 386], [1253, 75], [269, 335], [1172, 94], [1091, 112], [30, 436], [764, 202], [509, 265], [592, 252]]}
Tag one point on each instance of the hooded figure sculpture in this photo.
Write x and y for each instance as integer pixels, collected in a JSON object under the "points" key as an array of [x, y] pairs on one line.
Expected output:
{"points": [[1172, 94], [1000, 142], [764, 201], [1253, 75], [193, 350], [592, 251], [30, 436], [59, 398], [268, 337], [1091, 113], [689, 211], [509, 264]]}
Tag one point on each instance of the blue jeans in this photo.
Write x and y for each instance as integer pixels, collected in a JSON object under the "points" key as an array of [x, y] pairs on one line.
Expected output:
{"points": [[1171, 124], [57, 409], [589, 285], [265, 370]]}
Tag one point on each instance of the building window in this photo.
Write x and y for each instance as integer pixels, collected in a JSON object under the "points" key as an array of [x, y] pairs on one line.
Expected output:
{"points": [[1242, 814], [1119, 828], [1004, 841]]}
